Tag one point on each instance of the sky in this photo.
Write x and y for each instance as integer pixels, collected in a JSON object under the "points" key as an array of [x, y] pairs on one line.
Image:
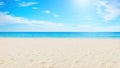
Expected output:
{"points": [[59, 15]]}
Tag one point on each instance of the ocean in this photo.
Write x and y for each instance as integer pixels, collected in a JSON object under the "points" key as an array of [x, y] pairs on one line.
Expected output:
{"points": [[59, 34]]}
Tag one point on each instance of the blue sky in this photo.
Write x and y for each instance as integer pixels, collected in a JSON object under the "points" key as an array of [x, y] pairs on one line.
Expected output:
{"points": [[59, 16]]}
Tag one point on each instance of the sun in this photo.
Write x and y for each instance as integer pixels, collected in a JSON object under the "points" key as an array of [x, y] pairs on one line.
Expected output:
{"points": [[81, 3]]}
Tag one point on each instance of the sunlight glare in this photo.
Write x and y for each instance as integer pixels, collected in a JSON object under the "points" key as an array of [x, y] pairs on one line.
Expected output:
{"points": [[81, 3]]}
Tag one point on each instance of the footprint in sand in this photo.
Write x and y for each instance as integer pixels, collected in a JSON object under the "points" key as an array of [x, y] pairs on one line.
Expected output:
{"points": [[31, 60], [104, 65], [48, 65], [52, 66], [2, 62], [75, 64]]}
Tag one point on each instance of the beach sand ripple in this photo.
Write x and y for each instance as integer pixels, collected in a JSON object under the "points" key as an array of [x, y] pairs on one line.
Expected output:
{"points": [[59, 53]]}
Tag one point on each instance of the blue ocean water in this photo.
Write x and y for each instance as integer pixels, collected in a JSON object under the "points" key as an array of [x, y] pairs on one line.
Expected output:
{"points": [[59, 34]]}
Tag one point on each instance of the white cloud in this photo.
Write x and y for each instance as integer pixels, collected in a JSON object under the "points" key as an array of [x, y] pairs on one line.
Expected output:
{"points": [[25, 4], [85, 26], [39, 25], [47, 11], [108, 10], [112, 28], [56, 15], [1, 3], [5, 18], [97, 28], [53, 14], [35, 8], [88, 18]]}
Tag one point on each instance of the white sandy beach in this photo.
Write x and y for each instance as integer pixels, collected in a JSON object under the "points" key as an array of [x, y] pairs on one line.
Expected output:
{"points": [[59, 53]]}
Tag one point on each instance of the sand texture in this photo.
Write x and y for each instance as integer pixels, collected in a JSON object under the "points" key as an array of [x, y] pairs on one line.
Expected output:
{"points": [[59, 53]]}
